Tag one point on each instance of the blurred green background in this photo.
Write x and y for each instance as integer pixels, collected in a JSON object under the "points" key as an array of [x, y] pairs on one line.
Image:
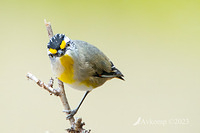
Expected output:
{"points": [[154, 43]]}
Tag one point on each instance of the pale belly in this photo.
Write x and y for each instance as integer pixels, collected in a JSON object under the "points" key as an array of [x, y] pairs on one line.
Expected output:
{"points": [[81, 87]]}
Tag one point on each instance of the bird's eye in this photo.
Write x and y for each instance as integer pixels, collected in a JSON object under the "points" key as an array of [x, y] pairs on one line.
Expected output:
{"points": [[68, 45]]}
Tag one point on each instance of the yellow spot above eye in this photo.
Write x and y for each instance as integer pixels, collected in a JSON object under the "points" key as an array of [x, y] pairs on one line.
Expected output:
{"points": [[53, 51], [62, 45]]}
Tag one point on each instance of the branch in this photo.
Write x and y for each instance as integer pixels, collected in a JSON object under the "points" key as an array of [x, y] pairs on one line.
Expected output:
{"points": [[62, 96], [76, 124], [49, 29], [48, 87]]}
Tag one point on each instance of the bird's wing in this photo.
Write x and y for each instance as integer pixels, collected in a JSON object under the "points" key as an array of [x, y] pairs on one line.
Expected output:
{"points": [[114, 73], [99, 64]]}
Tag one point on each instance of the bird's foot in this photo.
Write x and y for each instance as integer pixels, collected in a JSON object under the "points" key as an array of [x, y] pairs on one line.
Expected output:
{"points": [[70, 112]]}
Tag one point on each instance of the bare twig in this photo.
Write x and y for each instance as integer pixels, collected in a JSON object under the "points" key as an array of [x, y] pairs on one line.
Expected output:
{"points": [[51, 81], [64, 101], [49, 29], [76, 124], [43, 85]]}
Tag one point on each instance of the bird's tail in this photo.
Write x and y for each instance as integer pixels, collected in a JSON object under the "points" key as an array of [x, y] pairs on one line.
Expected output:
{"points": [[117, 73]]}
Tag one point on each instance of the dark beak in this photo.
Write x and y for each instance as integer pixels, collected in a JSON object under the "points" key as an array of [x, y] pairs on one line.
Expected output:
{"points": [[60, 52]]}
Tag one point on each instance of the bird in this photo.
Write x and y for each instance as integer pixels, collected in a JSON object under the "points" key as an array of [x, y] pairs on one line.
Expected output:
{"points": [[80, 65]]}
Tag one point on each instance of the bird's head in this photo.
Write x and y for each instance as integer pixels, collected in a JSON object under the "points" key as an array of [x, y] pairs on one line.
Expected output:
{"points": [[58, 45]]}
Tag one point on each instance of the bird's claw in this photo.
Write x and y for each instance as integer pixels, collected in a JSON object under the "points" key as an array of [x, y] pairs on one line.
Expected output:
{"points": [[67, 111], [70, 112]]}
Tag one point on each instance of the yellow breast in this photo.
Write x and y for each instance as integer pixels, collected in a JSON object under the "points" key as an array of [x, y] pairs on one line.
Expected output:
{"points": [[68, 74]]}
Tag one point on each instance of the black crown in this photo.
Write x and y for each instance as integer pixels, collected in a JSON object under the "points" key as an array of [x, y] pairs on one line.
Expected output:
{"points": [[55, 41]]}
